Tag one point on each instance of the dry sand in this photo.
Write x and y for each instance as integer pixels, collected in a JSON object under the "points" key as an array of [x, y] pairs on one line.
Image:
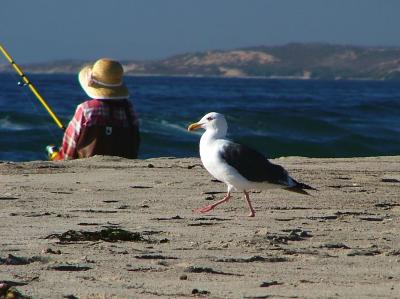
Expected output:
{"points": [[342, 242]]}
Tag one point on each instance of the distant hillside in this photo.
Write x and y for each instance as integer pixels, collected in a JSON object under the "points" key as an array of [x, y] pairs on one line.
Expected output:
{"points": [[301, 61]]}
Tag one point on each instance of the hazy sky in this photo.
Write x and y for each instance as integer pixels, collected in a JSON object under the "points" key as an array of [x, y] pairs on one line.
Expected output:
{"points": [[42, 30]]}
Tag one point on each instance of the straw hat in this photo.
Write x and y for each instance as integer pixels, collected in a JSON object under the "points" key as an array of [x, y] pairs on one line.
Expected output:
{"points": [[104, 80]]}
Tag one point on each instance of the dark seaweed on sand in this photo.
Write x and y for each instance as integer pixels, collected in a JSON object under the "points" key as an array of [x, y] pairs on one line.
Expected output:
{"points": [[107, 234]]}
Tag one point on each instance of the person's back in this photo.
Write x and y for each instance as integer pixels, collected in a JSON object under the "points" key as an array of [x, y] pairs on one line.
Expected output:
{"points": [[109, 127], [107, 124]]}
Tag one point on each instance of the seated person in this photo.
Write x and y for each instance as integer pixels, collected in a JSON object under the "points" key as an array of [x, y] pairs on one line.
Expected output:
{"points": [[107, 124]]}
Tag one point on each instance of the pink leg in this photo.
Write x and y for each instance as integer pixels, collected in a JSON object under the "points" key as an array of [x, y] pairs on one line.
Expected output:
{"points": [[252, 211], [212, 206]]}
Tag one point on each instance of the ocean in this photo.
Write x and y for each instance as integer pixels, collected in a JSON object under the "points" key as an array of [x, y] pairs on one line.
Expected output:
{"points": [[276, 117]]}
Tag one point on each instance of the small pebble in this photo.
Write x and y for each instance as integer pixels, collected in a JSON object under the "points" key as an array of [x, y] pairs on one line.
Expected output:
{"points": [[3, 289], [183, 277], [195, 291]]}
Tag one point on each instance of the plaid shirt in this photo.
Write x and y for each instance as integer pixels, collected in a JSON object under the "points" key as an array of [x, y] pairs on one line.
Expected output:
{"points": [[89, 113]]}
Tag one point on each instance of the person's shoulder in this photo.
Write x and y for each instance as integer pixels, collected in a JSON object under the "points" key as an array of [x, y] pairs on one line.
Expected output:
{"points": [[91, 103]]}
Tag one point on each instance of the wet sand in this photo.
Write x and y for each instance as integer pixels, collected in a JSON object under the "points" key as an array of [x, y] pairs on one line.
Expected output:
{"points": [[107, 227]]}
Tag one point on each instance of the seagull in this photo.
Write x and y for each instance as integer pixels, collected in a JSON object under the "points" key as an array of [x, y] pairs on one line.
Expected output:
{"points": [[238, 166]]}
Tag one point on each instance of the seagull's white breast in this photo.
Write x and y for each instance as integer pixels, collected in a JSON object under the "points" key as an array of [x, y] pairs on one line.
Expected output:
{"points": [[217, 167]]}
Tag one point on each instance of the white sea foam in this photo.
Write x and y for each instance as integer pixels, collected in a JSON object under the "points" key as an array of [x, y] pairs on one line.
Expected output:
{"points": [[179, 128], [167, 126], [173, 126], [7, 125]]}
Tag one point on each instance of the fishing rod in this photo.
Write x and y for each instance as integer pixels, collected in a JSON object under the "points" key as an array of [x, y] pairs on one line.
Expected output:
{"points": [[27, 82]]}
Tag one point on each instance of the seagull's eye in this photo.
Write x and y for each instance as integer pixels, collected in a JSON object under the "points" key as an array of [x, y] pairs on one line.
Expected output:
{"points": [[209, 118]]}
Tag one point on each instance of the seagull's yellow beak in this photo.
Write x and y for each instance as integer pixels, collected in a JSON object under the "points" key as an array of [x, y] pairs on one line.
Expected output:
{"points": [[194, 126]]}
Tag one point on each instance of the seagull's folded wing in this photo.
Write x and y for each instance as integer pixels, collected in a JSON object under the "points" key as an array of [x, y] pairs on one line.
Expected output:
{"points": [[252, 165]]}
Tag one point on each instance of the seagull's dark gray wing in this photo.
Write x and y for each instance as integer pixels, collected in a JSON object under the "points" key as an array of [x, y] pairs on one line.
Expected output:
{"points": [[252, 165]]}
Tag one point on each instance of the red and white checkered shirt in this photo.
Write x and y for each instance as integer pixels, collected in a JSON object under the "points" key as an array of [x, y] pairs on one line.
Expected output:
{"points": [[89, 113]]}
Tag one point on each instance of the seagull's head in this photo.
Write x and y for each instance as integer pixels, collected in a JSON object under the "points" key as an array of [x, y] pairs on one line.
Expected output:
{"points": [[212, 121]]}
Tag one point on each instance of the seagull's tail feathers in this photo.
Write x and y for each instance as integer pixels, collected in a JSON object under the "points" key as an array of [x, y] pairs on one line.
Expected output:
{"points": [[299, 188]]}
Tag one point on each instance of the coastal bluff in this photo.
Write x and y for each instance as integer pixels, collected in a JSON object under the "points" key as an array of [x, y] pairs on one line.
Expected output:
{"points": [[317, 61], [108, 227]]}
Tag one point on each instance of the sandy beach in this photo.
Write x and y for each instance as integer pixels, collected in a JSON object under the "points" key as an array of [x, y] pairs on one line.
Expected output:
{"points": [[107, 227]]}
